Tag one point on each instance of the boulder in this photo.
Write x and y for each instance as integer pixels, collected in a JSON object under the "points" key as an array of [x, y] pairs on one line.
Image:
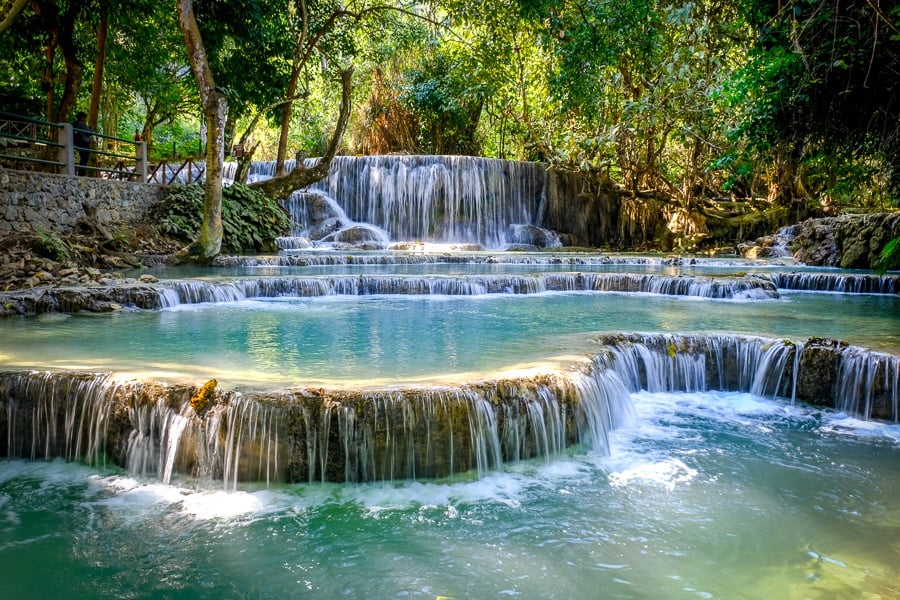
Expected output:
{"points": [[851, 241]]}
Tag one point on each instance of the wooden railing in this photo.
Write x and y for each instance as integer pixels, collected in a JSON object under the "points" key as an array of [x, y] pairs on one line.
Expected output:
{"points": [[187, 172], [35, 145]]}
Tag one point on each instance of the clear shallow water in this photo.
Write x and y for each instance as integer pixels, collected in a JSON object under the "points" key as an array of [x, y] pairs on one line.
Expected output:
{"points": [[710, 495], [391, 338], [506, 263]]}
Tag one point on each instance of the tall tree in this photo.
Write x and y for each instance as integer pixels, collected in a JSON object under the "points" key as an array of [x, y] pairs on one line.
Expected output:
{"points": [[215, 111], [58, 23]]}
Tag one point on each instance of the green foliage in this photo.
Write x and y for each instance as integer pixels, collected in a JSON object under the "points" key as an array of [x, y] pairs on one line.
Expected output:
{"points": [[51, 245], [180, 212], [251, 221], [447, 107], [249, 45], [792, 100], [889, 259], [822, 84], [175, 139]]}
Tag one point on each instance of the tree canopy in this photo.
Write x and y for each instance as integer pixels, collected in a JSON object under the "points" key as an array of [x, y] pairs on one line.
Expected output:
{"points": [[793, 101]]}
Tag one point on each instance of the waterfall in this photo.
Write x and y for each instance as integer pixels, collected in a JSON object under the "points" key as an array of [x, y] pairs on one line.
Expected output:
{"points": [[819, 371], [691, 363], [832, 282], [451, 199], [316, 216], [334, 259], [864, 374], [358, 435], [171, 293], [309, 435], [605, 405], [69, 416]]}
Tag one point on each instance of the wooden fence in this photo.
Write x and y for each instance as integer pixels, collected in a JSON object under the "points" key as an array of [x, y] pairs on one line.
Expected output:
{"points": [[34, 145]]}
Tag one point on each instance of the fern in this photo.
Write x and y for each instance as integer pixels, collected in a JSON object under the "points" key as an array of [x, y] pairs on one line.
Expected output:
{"points": [[250, 220]]}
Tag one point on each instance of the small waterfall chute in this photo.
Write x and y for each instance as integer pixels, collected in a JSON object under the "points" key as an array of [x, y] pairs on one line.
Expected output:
{"points": [[317, 220]]}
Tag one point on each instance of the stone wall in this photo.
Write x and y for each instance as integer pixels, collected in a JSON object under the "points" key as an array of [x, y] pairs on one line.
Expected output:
{"points": [[56, 202]]}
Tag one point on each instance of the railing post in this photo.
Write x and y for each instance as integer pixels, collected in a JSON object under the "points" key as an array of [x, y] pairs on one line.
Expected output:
{"points": [[140, 167], [67, 148]]}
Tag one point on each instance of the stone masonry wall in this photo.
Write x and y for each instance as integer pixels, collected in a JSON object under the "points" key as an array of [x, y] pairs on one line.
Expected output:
{"points": [[56, 202]]}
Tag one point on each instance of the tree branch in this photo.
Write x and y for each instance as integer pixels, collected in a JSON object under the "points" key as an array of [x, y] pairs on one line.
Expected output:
{"points": [[10, 12], [302, 176]]}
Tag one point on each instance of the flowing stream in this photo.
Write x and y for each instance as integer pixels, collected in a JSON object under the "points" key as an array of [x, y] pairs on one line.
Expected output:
{"points": [[455, 424], [710, 495]]}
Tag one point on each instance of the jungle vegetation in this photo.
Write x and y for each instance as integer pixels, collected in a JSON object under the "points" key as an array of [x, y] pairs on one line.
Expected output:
{"points": [[792, 103]]}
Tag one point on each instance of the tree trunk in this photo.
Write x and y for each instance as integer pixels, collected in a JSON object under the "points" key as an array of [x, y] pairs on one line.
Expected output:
{"points": [[286, 113], [296, 67], [215, 112], [97, 83], [60, 29], [282, 187], [48, 79], [244, 162]]}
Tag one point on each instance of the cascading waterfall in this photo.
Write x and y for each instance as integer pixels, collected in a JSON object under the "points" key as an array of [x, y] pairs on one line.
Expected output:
{"points": [[862, 376], [448, 199], [851, 379], [361, 435], [167, 294], [830, 282], [191, 292], [342, 259], [309, 435], [175, 292], [71, 420], [458, 199], [692, 363], [315, 216], [421, 433]]}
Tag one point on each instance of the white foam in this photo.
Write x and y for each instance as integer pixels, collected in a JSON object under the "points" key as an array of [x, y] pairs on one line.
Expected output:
{"points": [[842, 424], [645, 453], [668, 473]]}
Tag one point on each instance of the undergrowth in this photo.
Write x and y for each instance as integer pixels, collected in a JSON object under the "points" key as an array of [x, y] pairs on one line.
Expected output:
{"points": [[50, 245], [250, 220]]}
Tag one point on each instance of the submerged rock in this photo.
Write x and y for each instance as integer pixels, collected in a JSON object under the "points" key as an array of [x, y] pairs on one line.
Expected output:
{"points": [[356, 234], [532, 236]]}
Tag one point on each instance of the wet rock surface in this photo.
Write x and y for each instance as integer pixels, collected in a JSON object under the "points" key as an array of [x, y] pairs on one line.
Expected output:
{"points": [[852, 241], [42, 271]]}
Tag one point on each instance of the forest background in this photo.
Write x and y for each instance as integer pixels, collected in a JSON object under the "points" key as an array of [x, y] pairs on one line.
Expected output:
{"points": [[789, 103]]}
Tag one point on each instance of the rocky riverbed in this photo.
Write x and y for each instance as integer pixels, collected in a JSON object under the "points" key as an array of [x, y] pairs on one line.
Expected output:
{"points": [[35, 259]]}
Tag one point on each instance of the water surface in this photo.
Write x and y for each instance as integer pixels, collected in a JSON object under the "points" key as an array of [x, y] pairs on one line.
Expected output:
{"points": [[714, 495], [395, 338]]}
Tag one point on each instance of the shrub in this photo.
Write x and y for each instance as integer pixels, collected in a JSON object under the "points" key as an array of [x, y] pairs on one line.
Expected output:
{"points": [[250, 220]]}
